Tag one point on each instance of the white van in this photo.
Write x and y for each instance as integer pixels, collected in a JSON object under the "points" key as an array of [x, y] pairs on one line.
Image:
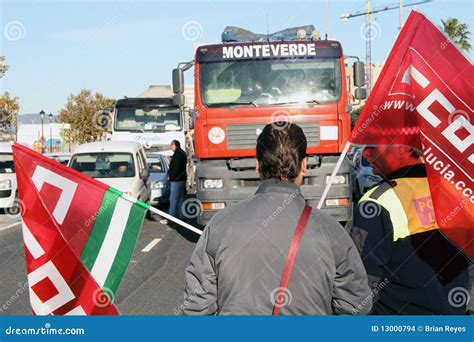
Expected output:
{"points": [[8, 185], [119, 164]]}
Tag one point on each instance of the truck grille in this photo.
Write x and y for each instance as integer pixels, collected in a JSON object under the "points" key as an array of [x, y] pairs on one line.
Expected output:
{"points": [[244, 136]]}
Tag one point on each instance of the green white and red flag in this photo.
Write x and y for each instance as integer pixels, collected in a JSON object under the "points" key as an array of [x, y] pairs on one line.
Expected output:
{"points": [[79, 236]]}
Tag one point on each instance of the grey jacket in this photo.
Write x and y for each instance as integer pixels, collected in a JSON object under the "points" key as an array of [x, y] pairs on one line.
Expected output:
{"points": [[237, 265]]}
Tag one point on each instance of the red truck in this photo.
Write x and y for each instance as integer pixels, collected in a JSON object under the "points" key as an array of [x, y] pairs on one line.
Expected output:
{"points": [[242, 86]]}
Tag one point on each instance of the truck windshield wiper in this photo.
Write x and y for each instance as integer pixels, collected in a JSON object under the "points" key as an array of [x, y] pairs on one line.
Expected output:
{"points": [[224, 104], [294, 102], [282, 103]]}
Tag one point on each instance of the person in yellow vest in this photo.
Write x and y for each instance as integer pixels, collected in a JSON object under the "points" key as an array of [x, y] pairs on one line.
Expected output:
{"points": [[412, 268]]}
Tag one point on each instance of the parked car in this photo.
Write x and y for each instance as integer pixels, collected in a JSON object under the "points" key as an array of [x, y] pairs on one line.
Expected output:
{"points": [[158, 165], [60, 157], [8, 185], [363, 177], [119, 164]]}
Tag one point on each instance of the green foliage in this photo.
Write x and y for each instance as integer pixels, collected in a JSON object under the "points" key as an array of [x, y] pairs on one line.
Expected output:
{"points": [[3, 67], [355, 115], [9, 109], [81, 112], [458, 32]]}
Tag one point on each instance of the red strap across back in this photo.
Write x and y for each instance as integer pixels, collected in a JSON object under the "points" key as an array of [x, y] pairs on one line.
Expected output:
{"points": [[290, 260]]}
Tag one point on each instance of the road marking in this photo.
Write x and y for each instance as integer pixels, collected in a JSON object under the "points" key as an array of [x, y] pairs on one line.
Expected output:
{"points": [[152, 244], [10, 226]]}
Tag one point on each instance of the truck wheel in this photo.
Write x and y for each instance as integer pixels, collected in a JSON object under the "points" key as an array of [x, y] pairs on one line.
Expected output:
{"points": [[14, 210]]}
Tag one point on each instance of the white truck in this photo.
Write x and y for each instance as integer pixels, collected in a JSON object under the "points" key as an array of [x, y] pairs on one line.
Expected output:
{"points": [[154, 119]]}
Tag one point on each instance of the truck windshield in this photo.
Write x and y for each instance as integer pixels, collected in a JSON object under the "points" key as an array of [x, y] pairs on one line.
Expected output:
{"points": [[104, 165], [147, 119], [269, 82], [6, 163]]}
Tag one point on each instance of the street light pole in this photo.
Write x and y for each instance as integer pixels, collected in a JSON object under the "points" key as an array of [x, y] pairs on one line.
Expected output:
{"points": [[50, 133], [42, 130]]}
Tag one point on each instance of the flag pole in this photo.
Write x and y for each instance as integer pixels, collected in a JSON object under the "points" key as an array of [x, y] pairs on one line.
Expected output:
{"points": [[174, 219], [333, 174]]}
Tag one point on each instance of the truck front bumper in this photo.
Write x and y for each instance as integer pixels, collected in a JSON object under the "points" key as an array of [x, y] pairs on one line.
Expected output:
{"points": [[241, 182]]}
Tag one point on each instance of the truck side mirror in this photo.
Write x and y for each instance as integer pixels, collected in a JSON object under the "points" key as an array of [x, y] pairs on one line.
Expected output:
{"points": [[359, 74], [178, 100], [360, 93], [178, 81]]}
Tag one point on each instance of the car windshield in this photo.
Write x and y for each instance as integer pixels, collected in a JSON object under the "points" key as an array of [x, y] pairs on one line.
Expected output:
{"points": [[61, 159], [6, 163], [267, 82], [155, 164], [147, 119], [104, 165]]}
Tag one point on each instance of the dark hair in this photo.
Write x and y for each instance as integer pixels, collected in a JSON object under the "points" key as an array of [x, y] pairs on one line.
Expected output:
{"points": [[281, 147], [176, 143], [416, 153]]}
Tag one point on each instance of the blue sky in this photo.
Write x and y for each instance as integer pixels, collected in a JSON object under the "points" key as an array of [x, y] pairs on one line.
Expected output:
{"points": [[55, 48]]}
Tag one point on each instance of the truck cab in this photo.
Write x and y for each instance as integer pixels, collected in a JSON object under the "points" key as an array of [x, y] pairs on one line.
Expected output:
{"points": [[151, 121], [240, 86]]}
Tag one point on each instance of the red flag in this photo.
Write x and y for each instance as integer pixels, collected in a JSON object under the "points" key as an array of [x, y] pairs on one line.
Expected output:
{"points": [[424, 98], [54, 199]]}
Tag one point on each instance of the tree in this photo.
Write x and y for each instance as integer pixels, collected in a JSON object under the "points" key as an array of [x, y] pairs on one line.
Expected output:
{"points": [[355, 115], [9, 108], [82, 113], [3, 67], [458, 33]]}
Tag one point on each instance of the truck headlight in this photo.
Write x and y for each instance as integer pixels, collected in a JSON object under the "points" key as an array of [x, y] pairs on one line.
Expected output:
{"points": [[213, 184], [216, 135], [338, 179], [5, 184], [158, 185]]}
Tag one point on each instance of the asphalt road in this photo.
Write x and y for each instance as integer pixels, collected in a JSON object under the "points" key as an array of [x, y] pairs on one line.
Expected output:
{"points": [[152, 285]]}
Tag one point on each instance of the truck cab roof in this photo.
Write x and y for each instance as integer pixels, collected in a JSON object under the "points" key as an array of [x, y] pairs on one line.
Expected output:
{"points": [[109, 146], [132, 102]]}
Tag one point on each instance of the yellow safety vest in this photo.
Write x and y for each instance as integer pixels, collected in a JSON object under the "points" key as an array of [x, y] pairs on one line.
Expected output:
{"points": [[408, 201]]}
